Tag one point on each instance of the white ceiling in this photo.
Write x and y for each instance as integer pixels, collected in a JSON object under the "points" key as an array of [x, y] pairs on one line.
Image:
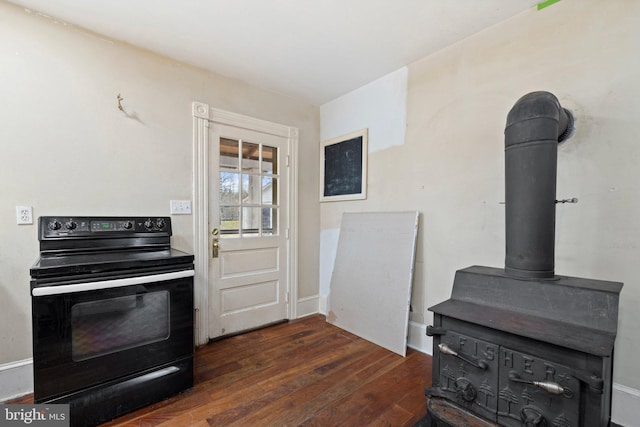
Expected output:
{"points": [[315, 50]]}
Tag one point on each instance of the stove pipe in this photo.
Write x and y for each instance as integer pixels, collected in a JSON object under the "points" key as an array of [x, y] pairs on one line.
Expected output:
{"points": [[535, 126]]}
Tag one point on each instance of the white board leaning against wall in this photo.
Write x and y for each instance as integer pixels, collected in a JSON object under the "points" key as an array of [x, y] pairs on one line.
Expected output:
{"points": [[372, 277]]}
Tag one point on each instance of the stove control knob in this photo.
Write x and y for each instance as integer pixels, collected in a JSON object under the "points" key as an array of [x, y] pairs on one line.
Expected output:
{"points": [[160, 223], [148, 224], [70, 225], [128, 225], [55, 225]]}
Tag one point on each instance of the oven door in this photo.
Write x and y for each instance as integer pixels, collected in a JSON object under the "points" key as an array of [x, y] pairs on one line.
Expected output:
{"points": [[89, 333]]}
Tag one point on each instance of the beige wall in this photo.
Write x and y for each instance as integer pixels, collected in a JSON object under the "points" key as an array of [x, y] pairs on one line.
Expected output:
{"points": [[61, 134], [584, 52], [66, 149], [451, 166]]}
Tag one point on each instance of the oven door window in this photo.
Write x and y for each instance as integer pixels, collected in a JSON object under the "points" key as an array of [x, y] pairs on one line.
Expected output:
{"points": [[116, 324]]}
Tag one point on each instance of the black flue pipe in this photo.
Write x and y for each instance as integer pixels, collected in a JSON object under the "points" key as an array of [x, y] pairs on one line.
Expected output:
{"points": [[535, 126]]}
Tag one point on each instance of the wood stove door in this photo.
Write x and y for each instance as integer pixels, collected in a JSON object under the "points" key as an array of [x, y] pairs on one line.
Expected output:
{"points": [[470, 377], [554, 399]]}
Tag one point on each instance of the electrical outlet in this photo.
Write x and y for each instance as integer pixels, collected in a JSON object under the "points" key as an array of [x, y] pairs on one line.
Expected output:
{"points": [[24, 215], [180, 207]]}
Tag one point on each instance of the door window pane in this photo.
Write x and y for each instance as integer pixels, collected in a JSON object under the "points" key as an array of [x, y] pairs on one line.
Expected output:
{"points": [[250, 157], [251, 218], [229, 220], [269, 191], [229, 149], [269, 154], [251, 189], [269, 221], [229, 185]]}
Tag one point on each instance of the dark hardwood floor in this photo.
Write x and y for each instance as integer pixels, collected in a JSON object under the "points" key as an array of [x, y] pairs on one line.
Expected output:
{"points": [[302, 373]]}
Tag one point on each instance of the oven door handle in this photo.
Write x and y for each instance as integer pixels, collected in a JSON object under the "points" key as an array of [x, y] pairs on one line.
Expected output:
{"points": [[107, 284]]}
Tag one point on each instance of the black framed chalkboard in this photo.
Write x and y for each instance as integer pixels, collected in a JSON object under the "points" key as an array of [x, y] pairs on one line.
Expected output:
{"points": [[343, 167]]}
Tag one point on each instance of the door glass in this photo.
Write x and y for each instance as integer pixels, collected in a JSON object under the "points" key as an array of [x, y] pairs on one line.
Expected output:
{"points": [[269, 186], [251, 189], [251, 218], [250, 157], [229, 149], [269, 221], [229, 220], [248, 183], [229, 188], [268, 156]]}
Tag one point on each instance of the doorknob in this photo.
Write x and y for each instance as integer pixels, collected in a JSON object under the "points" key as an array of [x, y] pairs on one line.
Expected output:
{"points": [[216, 248], [216, 244]]}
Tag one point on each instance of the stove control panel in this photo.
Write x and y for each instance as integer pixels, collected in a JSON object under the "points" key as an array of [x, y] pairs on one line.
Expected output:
{"points": [[109, 225], [51, 227]]}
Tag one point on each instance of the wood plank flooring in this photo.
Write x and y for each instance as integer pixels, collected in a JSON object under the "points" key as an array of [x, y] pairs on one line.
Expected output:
{"points": [[301, 373]]}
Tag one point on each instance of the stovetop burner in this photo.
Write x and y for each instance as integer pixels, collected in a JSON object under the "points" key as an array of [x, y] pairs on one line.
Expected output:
{"points": [[96, 262]]}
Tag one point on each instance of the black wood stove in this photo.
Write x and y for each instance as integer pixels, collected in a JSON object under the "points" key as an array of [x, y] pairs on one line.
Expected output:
{"points": [[521, 346]]}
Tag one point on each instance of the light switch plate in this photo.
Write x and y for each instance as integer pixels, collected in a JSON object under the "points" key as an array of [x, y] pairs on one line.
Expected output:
{"points": [[24, 215], [180, 207]]}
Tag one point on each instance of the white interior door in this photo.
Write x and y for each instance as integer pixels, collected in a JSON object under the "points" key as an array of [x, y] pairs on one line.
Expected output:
{"points": [[248, 229]]}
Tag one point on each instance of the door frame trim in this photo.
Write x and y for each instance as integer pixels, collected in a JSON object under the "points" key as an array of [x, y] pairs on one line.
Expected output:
{"points": [[203, 115]]}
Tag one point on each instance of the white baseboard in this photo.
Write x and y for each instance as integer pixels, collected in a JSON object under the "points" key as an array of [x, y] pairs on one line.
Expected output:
{"points": [[322, 304], [624, 405], [418, 339], [307, 306], [16, 379]]}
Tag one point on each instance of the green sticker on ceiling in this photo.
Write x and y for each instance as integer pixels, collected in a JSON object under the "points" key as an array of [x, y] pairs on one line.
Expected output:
{"points": [[544, 4]]}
